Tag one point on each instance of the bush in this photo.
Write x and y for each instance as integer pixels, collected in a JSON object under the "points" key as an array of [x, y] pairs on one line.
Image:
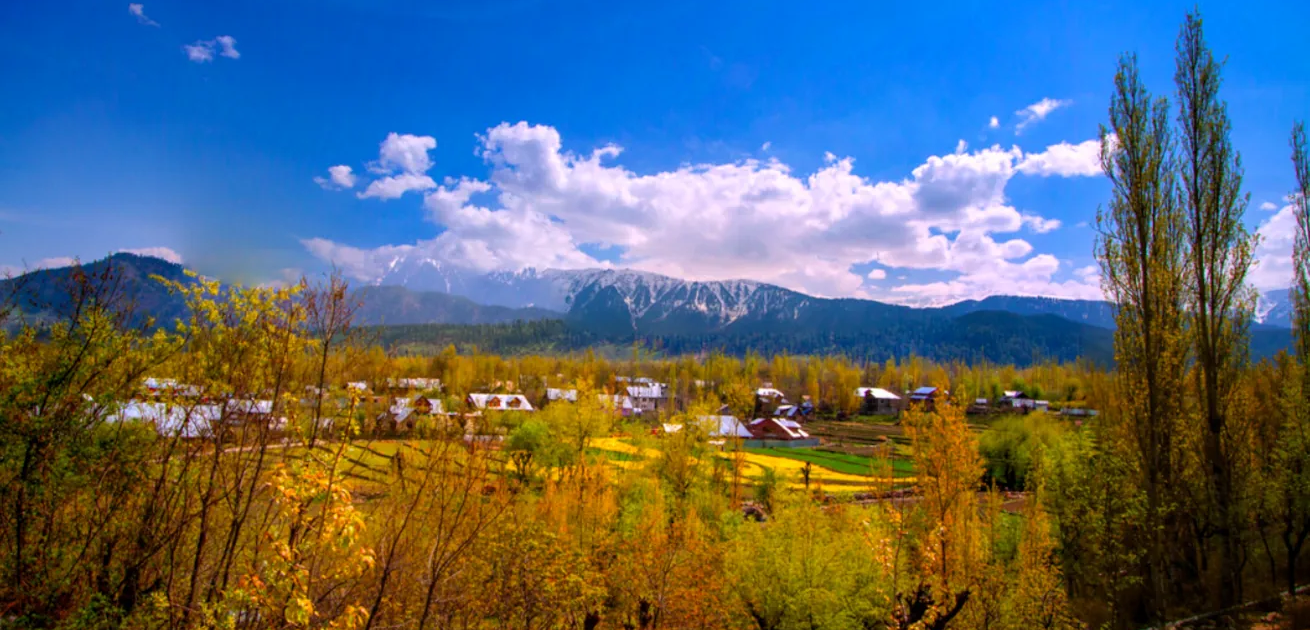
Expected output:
{"points": [[1011, 444]]}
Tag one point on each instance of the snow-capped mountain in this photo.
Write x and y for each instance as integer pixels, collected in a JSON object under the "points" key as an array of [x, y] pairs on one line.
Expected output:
{"points": [[627, 301], [1274, 308], [647, 301]]}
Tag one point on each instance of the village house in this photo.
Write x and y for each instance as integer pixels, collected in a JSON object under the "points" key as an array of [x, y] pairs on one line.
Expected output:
{"points": [[724, 427], [411, 385], [795, 412], [778, 429], [877, 401], [567, 395], [649, 397], [768, 400], [1016, 399], [172, 420], [927, 398], [405, 414], [498, 402], [620, 403], [157, 387]]}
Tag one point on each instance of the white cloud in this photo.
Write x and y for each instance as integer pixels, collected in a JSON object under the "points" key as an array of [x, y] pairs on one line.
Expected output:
{"points": [[339, 177], [45, 263], [1038, 111], [158, 252], [877, 274], [403, 163], [1273, 256], [228, 44], [203, 51], [393, 186], [200, 52], [766, 146], [1040, 225], [139, 10], [961, 146], [405, 152], [1268, 206], [993, 123], [1065, 160], [746, 219]]}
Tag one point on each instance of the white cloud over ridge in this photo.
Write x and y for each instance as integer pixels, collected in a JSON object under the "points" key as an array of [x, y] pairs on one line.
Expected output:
{"points": [[751, 218], [165, 253]]}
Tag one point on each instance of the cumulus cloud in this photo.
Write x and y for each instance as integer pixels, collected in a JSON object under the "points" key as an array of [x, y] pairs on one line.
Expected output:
{"points": [[766, 146], [203, 51], [139, 10], [1273, 256], [1041, 225], [1268, 206], [877, 274], [1037, 112], [394, 186], [403, 163], [339, 177], [1064, 159], [539, 203], [157, 252], [228, 46], [993, 123]]}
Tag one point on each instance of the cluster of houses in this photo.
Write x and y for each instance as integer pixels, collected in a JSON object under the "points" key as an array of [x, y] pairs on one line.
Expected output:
{"points": [[403, 404], [777, 422]]}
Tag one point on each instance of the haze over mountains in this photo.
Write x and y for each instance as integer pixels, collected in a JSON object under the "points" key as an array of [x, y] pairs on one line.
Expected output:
{"points": [[617, 305]]}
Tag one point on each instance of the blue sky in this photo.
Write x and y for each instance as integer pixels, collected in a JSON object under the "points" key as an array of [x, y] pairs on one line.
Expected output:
{"points": [[815, 145]]}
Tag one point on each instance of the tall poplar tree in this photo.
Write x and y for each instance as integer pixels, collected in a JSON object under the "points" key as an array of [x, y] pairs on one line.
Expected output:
{"points": [[1301, 251], [1291, 496], [1219, 302], [1142, 261]]}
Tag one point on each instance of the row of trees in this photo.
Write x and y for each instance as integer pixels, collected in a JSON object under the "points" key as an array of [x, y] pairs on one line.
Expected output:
{"points": [[1183, 436]]}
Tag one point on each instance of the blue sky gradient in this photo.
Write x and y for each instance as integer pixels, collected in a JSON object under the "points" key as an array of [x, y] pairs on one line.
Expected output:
{"points": [[112, 137]]}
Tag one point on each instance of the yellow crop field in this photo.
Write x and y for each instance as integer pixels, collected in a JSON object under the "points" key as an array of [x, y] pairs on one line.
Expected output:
{"points": [[788, 470]]}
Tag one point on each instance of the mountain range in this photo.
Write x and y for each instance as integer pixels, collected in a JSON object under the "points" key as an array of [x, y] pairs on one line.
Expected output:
{"points": [[624, 306]]}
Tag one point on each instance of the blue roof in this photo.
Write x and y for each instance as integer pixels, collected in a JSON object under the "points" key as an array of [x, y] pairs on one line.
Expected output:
{"points": [[926, 390]]}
